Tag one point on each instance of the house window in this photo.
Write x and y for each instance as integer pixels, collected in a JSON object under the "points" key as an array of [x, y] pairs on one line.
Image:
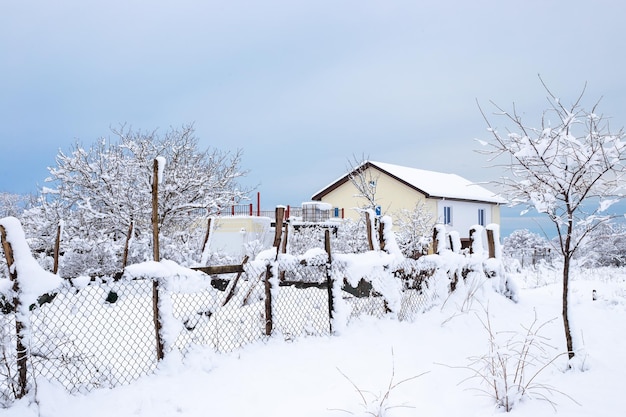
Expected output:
{"points": [[481, 217], [447, 215]]}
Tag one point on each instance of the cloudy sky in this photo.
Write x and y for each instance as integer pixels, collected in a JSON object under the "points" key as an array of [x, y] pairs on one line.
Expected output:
{"points": [[300, 86]]}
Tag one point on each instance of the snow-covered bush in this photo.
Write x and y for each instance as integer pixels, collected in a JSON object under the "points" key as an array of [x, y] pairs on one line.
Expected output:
{"points": [[347, 236], [605, 246], [415, 229], [525, 248]]}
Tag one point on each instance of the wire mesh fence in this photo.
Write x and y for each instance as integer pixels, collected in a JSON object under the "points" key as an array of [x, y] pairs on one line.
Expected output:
{"points": [[103, 334]]}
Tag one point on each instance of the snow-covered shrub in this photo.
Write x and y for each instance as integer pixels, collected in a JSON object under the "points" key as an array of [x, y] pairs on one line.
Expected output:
{"points": [[347, 236], [605, 246], [415, 229], [524, 248]]}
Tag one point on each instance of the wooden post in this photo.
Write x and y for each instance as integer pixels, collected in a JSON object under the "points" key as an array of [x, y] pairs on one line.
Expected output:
{"points": [[381, 234], [230, 290], [368, 228], [285, 240], [280, 215], [155, 254], [20, 347], [155, 210], [127, 244], [57, 246], [491, 243], [329, 281], [268, 301], [435, 240], [472, 232], [206, 235]]}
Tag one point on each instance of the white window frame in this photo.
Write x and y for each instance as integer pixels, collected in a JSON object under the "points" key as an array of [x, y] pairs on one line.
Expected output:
{"points": [[447, 215], [481, 216]]}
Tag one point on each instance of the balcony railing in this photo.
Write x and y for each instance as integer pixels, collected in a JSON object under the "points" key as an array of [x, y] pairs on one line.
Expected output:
{"points": [[290, 212]]}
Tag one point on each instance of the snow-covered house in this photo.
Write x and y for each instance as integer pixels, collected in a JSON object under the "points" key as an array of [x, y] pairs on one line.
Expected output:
{"points": [[450, 199]]}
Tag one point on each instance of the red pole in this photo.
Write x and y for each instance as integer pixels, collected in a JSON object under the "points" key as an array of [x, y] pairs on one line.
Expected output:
{"points": [[258, 204], [342, 212], [287, 214], [250, 209]]}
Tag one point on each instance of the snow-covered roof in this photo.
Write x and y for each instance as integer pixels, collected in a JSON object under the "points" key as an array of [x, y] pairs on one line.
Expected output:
{"points": [[432, 184]]}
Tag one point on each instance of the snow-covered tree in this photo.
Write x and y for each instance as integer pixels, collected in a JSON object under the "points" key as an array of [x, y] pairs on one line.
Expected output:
{"points": [[526, 246], [13, 204], [524, 239], [99, 191], [415, 229], [570, 167], [606, 246]]}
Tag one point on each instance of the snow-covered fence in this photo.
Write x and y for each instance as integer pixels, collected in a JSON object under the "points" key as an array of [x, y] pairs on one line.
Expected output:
{"points": [[94, 332]]}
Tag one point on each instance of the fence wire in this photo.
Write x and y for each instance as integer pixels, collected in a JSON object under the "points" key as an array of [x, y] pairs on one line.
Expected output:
{"points": [[103, 334]]}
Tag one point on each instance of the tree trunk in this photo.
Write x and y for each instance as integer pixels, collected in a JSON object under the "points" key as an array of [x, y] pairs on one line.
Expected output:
{"points": [[568, 333]]}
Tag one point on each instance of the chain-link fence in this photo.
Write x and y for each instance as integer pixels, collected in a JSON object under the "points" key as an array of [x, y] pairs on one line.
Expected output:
{"points": [[102, 333]]}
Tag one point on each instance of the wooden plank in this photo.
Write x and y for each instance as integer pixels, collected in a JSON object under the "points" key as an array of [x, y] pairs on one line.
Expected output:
{"points": [[220, 269]]}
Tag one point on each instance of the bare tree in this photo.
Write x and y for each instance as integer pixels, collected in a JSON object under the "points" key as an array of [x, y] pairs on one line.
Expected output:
{"points": [[364, 180], [571, 168]]}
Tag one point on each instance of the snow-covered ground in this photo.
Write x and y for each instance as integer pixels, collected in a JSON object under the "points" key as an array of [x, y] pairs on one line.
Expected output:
{"points": [[350, 374]]}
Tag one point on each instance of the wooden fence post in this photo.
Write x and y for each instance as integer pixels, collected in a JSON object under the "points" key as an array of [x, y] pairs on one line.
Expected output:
{"points": [[435, 239], [472, 232], [20, 347], [155, 210], [491, 243], [268, 300], [280, 216], [155, 253], [381, 234], [57, 248], [329, 281], [368, 228]]}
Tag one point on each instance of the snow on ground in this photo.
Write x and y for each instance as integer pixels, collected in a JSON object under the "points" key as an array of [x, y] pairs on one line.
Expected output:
{"points": [[319, 376]]}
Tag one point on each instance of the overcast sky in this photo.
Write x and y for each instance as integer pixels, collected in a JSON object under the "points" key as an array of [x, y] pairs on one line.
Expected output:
{"points": [[300, 86]]}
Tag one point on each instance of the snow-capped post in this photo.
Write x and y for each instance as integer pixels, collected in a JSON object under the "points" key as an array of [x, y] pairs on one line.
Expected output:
{"points": [[381, 235], [157, 176], [329, 280], [57, 247], [271, 283], [439, 235], [476, 242], [20, 347]]}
